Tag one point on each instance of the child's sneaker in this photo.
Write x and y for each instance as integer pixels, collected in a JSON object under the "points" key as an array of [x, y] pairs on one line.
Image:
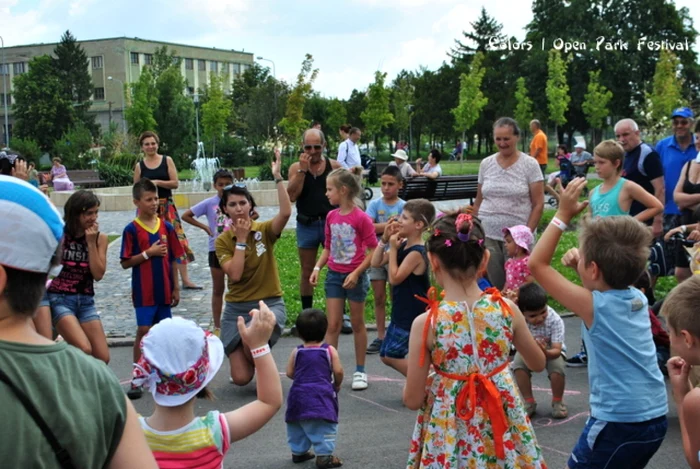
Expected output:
{"points": [[578, 361], [359, 383], [328, 461], [374, 347], [298, 458], [559, 410], [134, 392], [530, 408]]}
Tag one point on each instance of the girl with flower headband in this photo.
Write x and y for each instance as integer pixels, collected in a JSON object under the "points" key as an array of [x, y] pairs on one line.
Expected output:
{"points": [[472, 414], [178, 361]]}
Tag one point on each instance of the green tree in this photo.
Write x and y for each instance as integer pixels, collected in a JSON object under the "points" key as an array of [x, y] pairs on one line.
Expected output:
{"points": [[402, 97], [595, 104], [72, 67], [73, 147], [28, 148], [142, 101], [523, 107], [377, 115], [471, 98], [40, 107], [337, 116], [666, 91], [294, 124], [557, 89], [215, 112]]}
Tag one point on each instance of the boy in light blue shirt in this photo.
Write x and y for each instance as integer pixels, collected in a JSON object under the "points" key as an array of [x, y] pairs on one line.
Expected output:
{"points": [[628, 402]]}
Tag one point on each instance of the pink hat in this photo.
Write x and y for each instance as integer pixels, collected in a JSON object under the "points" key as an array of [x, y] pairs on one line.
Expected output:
{"points": [[521, 235]]}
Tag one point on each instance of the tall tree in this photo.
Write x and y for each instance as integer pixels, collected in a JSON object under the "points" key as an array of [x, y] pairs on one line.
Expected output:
{"points": [[666, 94], [41, 109], [294, 124], [523, 108], [72, 67], [377, 115], [215, 112], [595, 104], [471, 98], [142, 101], [486, 31], [401, 101], [557, 89], [337, 116]]}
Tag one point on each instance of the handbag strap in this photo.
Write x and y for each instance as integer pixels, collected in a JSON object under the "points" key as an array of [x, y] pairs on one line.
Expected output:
{"points": [[62, 455]]}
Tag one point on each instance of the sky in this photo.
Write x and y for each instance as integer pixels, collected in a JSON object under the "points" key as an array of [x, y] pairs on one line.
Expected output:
{"points": [[348, 40]]}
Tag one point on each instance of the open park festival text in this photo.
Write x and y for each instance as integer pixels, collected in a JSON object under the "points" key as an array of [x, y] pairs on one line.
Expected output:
{"points": [[601, 43]]}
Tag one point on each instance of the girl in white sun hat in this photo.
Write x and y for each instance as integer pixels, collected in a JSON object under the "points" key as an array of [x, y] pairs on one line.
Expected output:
{"points": [[178, 361]]}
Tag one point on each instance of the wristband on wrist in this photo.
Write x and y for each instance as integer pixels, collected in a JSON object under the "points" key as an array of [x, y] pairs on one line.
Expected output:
{"points": [[260, 351], [241, 246], [559, 224], [145, 256], [684, 229], [278, 180], [381, 243], [316, 269]]}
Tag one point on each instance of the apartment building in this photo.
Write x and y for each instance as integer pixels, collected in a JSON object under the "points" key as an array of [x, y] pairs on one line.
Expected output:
{"points": [[117, 61]]}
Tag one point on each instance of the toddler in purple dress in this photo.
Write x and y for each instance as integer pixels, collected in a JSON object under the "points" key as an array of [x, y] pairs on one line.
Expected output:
{"points": [[312, 404]]}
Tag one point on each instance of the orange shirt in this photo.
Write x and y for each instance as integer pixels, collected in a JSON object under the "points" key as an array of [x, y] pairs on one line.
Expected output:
{"points": [[539, 140]]}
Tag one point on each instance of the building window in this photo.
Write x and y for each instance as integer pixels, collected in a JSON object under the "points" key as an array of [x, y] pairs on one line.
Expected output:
{"points": [[190, 90], [202, 65], [18, 68], [97, 62], [147, 59], [213, 66], [2, 99], [189, 64], [98, 94], [236, 69], [4, 69], [135, 58]]}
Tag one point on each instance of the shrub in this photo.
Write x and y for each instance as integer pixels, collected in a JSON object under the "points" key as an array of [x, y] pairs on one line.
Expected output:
{"points": [[73, 147], [28, 148], [266, 170], [114, 175]]}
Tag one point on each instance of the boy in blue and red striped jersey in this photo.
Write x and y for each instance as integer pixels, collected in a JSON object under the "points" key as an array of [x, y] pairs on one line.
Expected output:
{"points": [[150, 246]]}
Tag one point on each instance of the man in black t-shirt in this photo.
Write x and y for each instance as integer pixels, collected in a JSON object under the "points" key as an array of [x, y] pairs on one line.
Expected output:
{"points": [[641, 165]]}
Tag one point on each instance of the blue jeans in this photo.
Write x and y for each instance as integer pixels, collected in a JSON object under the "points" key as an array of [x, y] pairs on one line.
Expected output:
{"points": [[334, 287], [80, 306], [319, 433], [616, 445]]}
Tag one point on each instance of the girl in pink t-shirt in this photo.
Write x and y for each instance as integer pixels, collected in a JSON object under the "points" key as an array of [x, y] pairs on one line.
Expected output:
{"points": [[518, 243], [349, 244]]}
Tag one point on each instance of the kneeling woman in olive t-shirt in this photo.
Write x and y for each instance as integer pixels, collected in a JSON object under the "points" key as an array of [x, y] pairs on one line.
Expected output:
{"points": [[246, 254]]}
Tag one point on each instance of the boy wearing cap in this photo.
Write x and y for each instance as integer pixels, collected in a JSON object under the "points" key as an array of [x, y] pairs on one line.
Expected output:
{"points": [[87, 415], [400, 160], [547, 327], [150, 247]]}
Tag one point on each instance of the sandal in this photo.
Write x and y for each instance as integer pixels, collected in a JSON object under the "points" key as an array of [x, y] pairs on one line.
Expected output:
{"points": [[297, 458], [324, 462]]}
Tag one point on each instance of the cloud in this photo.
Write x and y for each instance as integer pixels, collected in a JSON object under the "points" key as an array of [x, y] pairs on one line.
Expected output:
{"points": [[221, 15]]}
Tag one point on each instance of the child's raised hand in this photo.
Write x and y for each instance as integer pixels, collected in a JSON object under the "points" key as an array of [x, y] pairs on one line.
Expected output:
{"points": [[394, 241], [571, 258], [678, 371], [391, 229], [257, 333], [569, 205], [242, 228], [157, 249], [277, 165], [92, 233]]}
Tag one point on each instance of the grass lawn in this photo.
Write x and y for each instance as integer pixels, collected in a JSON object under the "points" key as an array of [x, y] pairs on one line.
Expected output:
{"points": [[112, 237]]}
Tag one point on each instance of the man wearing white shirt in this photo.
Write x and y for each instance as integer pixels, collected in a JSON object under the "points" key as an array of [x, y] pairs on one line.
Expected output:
{"points": [[348, 151]]}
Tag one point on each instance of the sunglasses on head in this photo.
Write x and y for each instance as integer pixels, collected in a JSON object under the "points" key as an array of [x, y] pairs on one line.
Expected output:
{"points": [[315, 147], [237, 184]]}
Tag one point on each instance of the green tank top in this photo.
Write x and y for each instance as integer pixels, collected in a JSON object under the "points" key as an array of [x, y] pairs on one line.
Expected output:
{"points": [[78, 396], [607, 204]]}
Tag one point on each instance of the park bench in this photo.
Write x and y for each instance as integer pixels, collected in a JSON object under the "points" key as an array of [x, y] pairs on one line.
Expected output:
{"points": [[441, 188], [85, 178]]}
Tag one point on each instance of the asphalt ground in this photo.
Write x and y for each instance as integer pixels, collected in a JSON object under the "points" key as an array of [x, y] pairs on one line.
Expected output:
{"points": [[375, 428]]}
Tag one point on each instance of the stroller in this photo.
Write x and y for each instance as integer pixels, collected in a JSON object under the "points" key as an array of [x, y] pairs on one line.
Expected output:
{"points": [[568, 172], [369, 175]]}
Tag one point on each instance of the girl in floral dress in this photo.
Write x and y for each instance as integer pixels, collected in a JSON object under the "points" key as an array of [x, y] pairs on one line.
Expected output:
{"points": [[471, 414]]}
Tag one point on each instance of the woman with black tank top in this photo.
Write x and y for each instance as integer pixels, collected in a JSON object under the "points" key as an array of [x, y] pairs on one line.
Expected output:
{"points": [[161, 170]]}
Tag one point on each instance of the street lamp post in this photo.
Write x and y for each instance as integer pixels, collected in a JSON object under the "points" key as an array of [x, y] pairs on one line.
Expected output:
{"points": [[274, 74], [5, 72], [195, 97], [123, 101], [410, 108]]}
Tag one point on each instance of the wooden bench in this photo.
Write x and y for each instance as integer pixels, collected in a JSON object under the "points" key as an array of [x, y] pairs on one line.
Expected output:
{"points": [[442, 188], [85, 178]]}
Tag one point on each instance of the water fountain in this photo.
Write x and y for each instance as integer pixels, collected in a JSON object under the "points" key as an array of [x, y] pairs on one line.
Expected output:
{"points": [[204, 169]]}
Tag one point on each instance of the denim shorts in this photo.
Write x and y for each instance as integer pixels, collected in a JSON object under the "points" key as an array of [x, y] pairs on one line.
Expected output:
{"points": [[80, 306], [152, 315], [334, 287], [395, 343], [312, 235], [379, 273], [616, 445], [45, 300], [213, 260]]}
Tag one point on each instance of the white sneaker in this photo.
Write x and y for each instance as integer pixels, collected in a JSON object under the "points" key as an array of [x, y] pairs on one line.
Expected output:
{"points": [[359, 381]]}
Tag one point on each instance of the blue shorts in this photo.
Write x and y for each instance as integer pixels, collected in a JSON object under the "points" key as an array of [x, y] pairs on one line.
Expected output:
{"points": [[334, 287], [616, 445], [395, 343], [80, 306], [45, 300], [151, 315], [312, 235]]}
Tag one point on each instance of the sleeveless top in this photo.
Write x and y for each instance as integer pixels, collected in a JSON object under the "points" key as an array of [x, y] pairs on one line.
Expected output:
{"points": [[405, 306], [75, 277], [160, 173], [607, 204], [313, 201], [312, 396], [689, 188]]}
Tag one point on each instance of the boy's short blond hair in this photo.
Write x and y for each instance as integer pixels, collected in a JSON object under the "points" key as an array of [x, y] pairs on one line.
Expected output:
{"points": [[612, 151], [681, 307], [619, 246]]}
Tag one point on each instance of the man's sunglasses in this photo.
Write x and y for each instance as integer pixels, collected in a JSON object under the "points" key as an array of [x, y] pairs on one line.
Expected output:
{"points": [[315, 147]]}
